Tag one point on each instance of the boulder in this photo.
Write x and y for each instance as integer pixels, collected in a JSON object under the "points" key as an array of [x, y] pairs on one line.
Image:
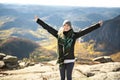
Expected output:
{"points": [[2, 64], [11, 65], [11, 62], [113, 76], [10, 58], [2, 55], [110, 67], [103, 71], [106, 76], [22, 65], [103, 59], [26, 64]]}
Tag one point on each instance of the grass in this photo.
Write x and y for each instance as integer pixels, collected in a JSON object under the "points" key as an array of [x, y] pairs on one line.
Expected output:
{"points": [[116, 57]]}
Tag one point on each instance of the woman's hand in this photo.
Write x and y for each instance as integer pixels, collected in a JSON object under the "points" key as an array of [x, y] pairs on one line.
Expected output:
{"points": [[36, 18], [101, 23]]}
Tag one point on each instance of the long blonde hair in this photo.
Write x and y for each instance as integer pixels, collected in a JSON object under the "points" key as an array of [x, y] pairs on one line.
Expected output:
{"points": [[60, 32]]}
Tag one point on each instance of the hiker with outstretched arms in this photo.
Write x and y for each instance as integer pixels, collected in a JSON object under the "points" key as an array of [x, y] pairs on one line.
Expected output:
{"points": [[66, 38]]}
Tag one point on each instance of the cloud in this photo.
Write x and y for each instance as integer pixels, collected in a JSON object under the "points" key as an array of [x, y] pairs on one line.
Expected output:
{"points": [[87, 3]]}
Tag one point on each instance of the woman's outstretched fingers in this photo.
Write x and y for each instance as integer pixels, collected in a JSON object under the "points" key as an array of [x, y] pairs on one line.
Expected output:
{"points": [[36, 18], [101, 23]]}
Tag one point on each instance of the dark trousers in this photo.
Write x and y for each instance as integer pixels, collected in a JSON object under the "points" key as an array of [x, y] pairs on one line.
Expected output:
{"points": [[66, 69]]}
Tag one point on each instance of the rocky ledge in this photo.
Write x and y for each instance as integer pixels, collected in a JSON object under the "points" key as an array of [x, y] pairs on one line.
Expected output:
{"points": [[50, 71]]}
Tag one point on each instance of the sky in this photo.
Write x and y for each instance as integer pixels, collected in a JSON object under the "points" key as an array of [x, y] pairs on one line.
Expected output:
{"points": [[83, 3]]}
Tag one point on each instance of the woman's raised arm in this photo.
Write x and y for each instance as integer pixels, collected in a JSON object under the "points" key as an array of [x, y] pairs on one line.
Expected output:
{"points": [[46, 26], [89, 29]]}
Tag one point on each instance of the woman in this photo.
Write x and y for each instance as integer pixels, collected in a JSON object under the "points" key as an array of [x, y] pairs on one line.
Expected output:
{"points": [[66, 40]]}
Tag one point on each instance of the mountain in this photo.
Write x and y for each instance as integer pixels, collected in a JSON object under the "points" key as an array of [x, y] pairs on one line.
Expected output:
{"points": [[25, 48], [22, 16], [18, 47], [18, 21], [106, 37]]}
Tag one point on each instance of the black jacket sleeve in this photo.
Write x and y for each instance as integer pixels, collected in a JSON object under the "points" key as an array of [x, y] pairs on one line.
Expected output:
{"points": [[87, 30], [48, 28]]}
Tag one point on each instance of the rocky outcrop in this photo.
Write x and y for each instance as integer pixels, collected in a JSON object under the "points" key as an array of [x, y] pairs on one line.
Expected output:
{"points": [[10, 58], [50, 71], [103, 59], [2, 55], [23, 64], [106, 71], [8, 61], [1, 58], [2, 64]]}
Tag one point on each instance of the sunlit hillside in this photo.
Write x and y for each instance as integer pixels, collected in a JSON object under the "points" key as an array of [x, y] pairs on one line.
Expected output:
{"points": [[116, 56], [50, 44], [82, 49], [17, 46]]}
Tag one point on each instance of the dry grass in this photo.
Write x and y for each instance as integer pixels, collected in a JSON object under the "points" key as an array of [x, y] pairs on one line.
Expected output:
{"points": [[116, 57]]}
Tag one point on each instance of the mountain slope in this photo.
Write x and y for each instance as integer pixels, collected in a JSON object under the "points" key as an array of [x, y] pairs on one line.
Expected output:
{"points": [[18, 47], [22, 17], [17, 20], [106, 37]]}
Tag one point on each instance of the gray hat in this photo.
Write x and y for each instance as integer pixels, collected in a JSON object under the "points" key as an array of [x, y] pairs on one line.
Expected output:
{"points": [[67, 22]]}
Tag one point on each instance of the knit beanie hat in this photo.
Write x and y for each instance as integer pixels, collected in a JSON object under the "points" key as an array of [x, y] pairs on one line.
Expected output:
{"points": [[67, 22]]}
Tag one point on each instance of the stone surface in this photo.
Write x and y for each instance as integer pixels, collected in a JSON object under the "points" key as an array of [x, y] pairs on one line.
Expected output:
{"points": [[2, 55], [103, 59], [11, 65], [10, 58], [50, 71], [2, 64]]}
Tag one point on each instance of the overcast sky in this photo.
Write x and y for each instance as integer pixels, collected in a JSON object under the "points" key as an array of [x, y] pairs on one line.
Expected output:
{"points": [[83, 3]]}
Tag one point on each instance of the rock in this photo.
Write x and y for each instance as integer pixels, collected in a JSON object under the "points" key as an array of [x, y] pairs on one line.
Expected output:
{"points": [[52, 62], [101, 76], [22, 64], [11, 62], [104, 71], [2, 55], [11, 65], [106, 76], [26, 64], [110, 67], [2, 64], [45, 78], [31, 64], [113, 76], [103, 59], [10, 58]]}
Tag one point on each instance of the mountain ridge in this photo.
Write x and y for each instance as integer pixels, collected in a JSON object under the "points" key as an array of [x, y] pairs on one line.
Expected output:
{"points": [[18, 21], [108, 35]]}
